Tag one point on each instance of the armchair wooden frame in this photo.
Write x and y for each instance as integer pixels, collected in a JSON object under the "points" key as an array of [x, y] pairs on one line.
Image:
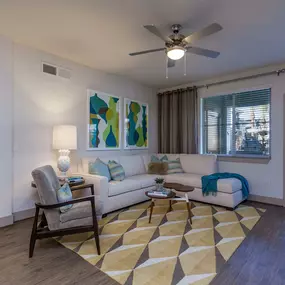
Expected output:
{"points": [[41, 230]]}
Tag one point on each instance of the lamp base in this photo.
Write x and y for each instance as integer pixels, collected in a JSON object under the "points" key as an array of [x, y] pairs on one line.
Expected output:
{"points": [[63, 163]]}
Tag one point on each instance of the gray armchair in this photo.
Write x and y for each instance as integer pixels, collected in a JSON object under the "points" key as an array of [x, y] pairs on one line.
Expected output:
{"points": [[80, 218]]}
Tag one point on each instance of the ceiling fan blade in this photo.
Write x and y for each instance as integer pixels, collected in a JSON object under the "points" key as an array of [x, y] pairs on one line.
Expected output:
{"points": [[204, 52], [211, 29], [153, 29], [170, 63], [146, 51]]}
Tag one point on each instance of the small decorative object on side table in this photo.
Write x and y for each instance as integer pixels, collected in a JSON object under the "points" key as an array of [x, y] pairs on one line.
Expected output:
{"points": [[159, 183]]}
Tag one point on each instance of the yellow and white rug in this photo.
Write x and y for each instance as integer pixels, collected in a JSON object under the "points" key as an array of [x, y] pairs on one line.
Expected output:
{"points": [[169, 250]]}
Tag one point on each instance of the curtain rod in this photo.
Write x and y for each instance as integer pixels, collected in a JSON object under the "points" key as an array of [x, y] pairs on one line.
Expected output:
{"points": [[277, 72]]}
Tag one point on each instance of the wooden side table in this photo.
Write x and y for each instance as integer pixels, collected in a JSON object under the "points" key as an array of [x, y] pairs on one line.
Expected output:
{"points": [[71, 184]]}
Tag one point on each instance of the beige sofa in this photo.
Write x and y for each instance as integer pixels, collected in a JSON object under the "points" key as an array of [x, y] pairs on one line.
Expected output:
{"points": [[115, 195]]}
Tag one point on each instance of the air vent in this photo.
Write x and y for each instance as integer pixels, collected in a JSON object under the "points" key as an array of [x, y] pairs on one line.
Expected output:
{"points": [[47, 68], [56, 71], [65, 73]]}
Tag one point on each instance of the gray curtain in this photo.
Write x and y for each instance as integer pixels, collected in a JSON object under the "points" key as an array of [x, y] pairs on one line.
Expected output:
{"points": [[177, 121]]}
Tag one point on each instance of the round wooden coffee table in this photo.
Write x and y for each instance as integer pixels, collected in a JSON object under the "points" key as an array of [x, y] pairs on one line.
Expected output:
{"points": [[153, 198], [183, 189]]}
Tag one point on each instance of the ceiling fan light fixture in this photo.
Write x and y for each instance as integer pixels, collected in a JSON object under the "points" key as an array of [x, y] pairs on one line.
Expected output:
{"points": [[176, 52]]}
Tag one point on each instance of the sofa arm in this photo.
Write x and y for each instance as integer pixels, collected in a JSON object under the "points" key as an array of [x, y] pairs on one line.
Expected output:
{"points": [[101, 185]]}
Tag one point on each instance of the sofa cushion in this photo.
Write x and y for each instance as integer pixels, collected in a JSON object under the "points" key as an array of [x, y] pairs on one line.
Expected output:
{"points": [[78, 211], [185, 179], [83, 166], [146, 161], [158, 168], [64, 194], [174, 166], [133, 165], [155, 158], [116, 170], [120, 187], [229, 185], [146, 180], [170, 156], [198, 164], [99, 168]]}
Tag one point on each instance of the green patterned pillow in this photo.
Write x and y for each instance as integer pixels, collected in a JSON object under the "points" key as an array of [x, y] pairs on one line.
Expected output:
{"points": [[116, 170], [174, 166], [64, 194], [154, 158]]}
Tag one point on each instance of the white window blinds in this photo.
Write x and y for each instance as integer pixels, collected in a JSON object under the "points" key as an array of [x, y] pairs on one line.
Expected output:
{"points": [[237, 124]]}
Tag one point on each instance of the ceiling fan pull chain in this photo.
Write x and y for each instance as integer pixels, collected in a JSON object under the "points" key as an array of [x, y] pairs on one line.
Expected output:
{"points": [[166, 66], [185, 66]]}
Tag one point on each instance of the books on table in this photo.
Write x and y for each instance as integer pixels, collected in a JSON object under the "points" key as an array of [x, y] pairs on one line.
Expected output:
{"points": [[74, 179], [71, 179], [164, 193]]}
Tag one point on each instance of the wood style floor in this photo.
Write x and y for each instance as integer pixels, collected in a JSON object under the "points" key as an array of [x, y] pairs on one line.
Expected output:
{"points": [[259, 260]]}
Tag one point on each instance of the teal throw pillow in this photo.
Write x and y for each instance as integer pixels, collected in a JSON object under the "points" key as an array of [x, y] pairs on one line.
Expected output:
{"points": [[174, 166], [116, 170], [154, 158], [64, 194], [98, 167]]}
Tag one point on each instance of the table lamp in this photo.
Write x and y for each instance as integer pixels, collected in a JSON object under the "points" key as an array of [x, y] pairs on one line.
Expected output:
{"points": [[64, 139]]}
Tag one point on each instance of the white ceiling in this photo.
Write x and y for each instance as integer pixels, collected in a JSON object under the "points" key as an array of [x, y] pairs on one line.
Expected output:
{"points": [[101, 33]]}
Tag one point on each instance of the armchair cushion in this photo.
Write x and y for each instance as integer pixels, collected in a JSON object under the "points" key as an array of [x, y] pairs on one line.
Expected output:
{"points": [[78, 211], [76, 223], [47, 185], [64, 194]]}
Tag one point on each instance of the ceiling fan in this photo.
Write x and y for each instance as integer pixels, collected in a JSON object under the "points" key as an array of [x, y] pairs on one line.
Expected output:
{"points": [[176, 45]]}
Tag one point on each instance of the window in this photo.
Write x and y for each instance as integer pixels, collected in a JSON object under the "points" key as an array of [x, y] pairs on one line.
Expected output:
{"points": [[237, 124]]}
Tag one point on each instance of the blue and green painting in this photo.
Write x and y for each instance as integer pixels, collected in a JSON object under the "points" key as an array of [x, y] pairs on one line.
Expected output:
{"points": [[136, 116], [104, 127]]}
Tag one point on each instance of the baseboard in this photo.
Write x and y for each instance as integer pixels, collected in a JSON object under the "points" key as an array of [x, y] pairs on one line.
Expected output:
{"points": [[6, 221], [266, 200], [25, 214]]}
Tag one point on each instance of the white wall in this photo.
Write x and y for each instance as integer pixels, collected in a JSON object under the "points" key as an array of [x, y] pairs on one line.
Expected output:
{"points": [[6, 117], [41, 101], [264, 179]]}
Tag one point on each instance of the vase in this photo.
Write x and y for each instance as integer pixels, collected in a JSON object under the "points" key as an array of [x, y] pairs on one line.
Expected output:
{"points": [[159, 187]]}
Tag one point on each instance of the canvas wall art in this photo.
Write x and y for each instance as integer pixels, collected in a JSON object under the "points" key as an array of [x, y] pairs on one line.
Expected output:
{"points": [[103, 121], [136, 124]]}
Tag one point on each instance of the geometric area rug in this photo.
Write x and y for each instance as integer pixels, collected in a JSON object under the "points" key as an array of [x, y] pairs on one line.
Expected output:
{"points": [[168, 251]]}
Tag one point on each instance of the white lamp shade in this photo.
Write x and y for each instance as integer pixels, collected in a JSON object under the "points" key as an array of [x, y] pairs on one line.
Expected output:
{"points": [[64, 137]]}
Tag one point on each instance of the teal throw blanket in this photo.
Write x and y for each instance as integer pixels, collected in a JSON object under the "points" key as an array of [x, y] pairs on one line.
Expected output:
{"points": [[209, 183]]}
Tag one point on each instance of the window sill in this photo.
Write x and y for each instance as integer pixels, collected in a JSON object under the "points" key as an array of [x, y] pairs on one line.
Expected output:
{"points": [[244, 159]]}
